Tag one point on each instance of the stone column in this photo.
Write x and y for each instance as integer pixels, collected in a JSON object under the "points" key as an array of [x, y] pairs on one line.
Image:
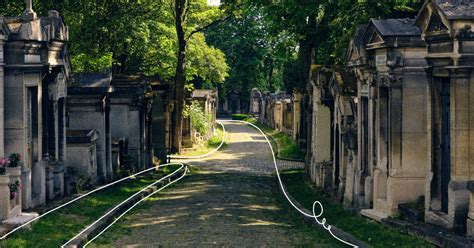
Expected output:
{"points": [[2, 94], [368, 172], [462, 157], [56, 129], [296, 116]]}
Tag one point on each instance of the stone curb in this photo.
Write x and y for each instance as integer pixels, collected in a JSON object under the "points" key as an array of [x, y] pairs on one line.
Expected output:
{"points": [[290, 159], [336, 231], [431, 234], [101, 225]]}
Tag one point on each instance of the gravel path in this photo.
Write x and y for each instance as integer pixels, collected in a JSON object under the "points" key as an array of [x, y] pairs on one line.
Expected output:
{"points": [[229, 202]]}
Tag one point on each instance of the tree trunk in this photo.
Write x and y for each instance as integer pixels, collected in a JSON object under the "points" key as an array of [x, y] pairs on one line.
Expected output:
{"points": [[307, 56], [180, 79]]}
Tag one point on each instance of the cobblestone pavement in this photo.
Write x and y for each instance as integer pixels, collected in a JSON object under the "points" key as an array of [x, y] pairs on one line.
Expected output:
{"points": [[229, 202]]}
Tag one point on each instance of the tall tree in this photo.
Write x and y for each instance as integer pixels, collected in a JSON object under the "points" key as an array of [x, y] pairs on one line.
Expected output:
{"points": [[191, 17]]}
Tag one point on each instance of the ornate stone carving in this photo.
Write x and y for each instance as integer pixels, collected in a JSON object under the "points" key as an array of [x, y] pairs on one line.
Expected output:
{"points": [[436, 24]]}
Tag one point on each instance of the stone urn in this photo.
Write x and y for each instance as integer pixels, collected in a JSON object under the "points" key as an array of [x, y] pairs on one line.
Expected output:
{"points": [[14, 172], [15, 176]]}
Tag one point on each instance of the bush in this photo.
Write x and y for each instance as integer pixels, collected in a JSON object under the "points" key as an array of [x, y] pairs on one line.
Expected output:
{"points": [[240, 117], [199, 121]]}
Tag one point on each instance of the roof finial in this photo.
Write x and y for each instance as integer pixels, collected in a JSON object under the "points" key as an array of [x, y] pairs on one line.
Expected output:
{"points": [[29, 14]]}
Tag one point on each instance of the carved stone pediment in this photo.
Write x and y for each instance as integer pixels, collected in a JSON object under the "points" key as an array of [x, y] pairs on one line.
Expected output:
{"points": [[434, 21], [376, 39], [435, 24]]}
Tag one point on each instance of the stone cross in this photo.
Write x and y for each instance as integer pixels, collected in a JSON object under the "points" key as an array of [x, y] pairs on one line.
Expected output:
{"points": [[29, 14], [29, 4]]}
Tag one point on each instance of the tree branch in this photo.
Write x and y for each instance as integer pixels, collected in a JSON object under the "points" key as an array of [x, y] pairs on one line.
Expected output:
{"points": [[186, 10], [207, 26]]}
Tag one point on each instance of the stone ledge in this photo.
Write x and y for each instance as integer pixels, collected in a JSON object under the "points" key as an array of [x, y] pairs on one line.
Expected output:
{"points": [[373, 214], [10, 224], [432, 234]]}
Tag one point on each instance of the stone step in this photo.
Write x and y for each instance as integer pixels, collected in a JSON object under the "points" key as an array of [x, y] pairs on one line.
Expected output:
{"points": [[13, 223], [374, 214]]}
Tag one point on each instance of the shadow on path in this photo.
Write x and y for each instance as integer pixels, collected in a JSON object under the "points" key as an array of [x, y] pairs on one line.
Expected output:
{"points": [[232, 200]]}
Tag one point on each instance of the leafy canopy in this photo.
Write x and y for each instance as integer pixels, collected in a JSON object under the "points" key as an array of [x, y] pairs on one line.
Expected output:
{"points": [[132, 36]]}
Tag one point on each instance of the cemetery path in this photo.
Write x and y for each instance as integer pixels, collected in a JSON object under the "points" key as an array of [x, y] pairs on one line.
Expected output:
{"points": [[232, 200]]}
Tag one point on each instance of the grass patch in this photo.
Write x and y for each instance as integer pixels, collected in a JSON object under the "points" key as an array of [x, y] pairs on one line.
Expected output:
{"points": [[281, 142], [240, 117], [58, 227], [210, 145], [362, 228]]}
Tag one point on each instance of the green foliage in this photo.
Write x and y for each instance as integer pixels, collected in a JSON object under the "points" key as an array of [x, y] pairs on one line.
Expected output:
{"points": [[240, 116], [58, 227], [132, 37], [205, 62], [82, 62], [200, 121], [254, 55], [211, 144], [287, 147], [14, 159], [293, 31]]}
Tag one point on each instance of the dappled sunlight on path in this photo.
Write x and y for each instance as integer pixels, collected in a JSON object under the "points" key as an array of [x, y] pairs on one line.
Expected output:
{"points": [[230, 201]]}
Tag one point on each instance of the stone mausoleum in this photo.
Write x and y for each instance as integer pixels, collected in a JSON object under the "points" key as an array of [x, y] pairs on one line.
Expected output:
{"points": [[34, 71], [404, 95]]}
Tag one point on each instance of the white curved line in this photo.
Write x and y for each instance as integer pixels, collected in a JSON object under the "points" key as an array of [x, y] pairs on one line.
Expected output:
{"points": [[323, 221], [122, 203], [82, 196], [134, 205], [224, 136]]}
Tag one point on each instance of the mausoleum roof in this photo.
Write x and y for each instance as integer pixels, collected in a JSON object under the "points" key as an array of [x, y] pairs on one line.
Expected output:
{"points": [[47, 28], [359, 35], [457, 9], [396, 27], [92, 79]]}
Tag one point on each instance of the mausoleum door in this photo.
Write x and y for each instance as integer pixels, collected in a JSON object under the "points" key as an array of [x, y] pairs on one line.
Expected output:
{"points": [[32, 126], [32, 146]]}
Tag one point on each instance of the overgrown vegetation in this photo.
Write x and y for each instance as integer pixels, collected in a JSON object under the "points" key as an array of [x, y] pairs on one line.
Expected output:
{"points": [[200, 121], [210, 145], [57, 228], [366, 230]]}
